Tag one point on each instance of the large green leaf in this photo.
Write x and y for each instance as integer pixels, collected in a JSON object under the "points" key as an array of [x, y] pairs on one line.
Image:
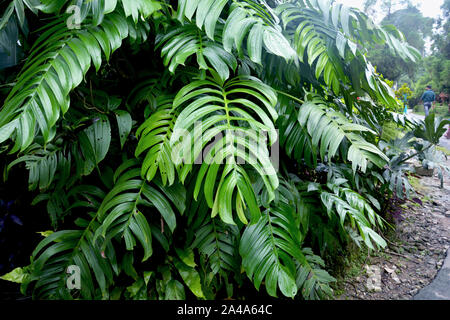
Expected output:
{"points": [[246, 19], [216, 240], [182, 42], [236, 115], [123, 211], [268, 249], [351, 205], [65, 248], [154, 138], [432, 129], [58, 60], [330, 127]]}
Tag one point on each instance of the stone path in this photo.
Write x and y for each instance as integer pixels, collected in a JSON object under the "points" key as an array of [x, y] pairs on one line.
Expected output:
{"points": [[439, 289], [416, 264]]}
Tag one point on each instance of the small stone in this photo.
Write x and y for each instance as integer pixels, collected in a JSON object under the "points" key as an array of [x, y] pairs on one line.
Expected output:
{"points": [[396, 280], [389, 270], [413, 292]]}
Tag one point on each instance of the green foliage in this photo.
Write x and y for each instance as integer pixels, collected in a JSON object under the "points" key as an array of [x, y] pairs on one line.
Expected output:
{"points": [[415, 28], [435, 160], [40, 94], [17, 275], [329, 128], [175, 139], [403, 91], [435, 71], [433, 129], [155, 135]]}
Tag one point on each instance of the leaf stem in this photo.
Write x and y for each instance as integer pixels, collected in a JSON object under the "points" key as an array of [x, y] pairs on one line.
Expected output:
{"points": [[290, 96]]}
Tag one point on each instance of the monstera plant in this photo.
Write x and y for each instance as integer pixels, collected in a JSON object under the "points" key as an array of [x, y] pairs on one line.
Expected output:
{"points": [[202, 149]]}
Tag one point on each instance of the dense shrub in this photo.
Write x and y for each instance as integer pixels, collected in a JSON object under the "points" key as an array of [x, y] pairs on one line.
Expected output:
{"points": [[280, 96]]}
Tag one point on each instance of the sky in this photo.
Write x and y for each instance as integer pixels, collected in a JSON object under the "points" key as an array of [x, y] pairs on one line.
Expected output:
{"points": [[429, 8]]}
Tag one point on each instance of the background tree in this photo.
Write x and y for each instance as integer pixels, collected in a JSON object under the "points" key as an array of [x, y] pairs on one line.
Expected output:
{"points": [[414, 26], [435, 69]]}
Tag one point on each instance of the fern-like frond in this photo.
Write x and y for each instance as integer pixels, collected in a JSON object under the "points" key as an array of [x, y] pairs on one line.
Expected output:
{"points": [[351, 205], [236, 114], [154, 138], [58, 61], [276, 241], [293, 135], [332, 40], [182, 42], [329, 128], [43, 165], [245, 19], [216, 241], [97, 9], [140, 9], [312, 280], [56, 254], [62, 249], [122, 210], [319, 54], [280, 261]]}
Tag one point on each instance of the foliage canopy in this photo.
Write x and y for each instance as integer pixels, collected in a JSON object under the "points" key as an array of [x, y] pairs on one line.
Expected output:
{"points": [[103, 115]]}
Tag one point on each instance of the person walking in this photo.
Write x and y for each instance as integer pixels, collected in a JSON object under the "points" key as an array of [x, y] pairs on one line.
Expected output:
{"points": [[428, 98]]}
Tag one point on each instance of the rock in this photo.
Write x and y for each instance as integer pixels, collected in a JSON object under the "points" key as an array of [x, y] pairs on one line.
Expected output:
{"points": [[413, 292], [396, 279], [389, 270], [424, 237], [373, 283]]}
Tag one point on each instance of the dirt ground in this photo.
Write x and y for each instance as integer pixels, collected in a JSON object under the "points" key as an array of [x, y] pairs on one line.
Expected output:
{"points": [[416, 252]]}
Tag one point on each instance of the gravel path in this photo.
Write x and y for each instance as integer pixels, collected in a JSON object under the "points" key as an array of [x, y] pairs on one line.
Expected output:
{"points": [[439, 289], [416, 264]]}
